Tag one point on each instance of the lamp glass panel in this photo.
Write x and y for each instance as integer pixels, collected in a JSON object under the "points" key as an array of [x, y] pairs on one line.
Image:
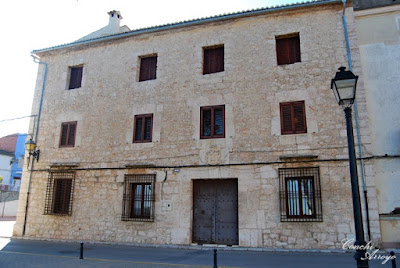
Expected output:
{"points": [[346, 88], [30, 146], [346, 93], [334, 89]]}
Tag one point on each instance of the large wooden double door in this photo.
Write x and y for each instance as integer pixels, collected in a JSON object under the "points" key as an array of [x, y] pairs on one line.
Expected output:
{"points": [[215, 211]]}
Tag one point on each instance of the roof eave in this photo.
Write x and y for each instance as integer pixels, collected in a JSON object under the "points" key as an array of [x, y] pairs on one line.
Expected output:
{"points": [[189, 23]]}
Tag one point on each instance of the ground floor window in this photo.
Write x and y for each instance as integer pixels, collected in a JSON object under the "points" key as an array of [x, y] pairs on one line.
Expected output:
{"points": [[300, 194], [139, 197], [59, 193]]}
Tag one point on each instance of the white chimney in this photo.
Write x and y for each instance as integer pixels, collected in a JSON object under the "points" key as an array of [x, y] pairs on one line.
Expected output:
{"points": [[114, 21], [113, 27]]}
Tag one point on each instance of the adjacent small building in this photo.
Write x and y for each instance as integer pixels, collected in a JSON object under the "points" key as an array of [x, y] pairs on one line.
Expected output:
{"points": [[221, 130], [14, 146], [378, 29]]}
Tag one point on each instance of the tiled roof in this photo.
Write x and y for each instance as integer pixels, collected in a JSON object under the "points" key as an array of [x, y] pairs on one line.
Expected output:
{"points": [[221, 17], [8, 143]]}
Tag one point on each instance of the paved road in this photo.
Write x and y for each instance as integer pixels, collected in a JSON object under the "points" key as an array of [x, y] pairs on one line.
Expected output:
{"points": [[32, 253]]}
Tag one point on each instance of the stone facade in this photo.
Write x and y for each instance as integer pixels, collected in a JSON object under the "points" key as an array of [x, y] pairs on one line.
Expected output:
{"points": [[251, 87]]}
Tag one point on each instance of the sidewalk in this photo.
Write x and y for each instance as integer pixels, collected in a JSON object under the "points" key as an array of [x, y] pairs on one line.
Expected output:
{"points": [[6, 226]]}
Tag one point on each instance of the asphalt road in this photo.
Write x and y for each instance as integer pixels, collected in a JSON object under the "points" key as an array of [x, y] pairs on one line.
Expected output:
{"points": [[34, 253]]}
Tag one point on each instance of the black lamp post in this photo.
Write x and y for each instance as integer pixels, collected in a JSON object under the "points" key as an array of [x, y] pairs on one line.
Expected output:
{"points": [[30, 146], [344, 88]]}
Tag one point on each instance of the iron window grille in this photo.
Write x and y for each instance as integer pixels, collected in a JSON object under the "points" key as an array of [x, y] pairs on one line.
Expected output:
{"points": [[143, 128], [60, 189], [68, 133], [138, 198], [288, 49], [213, 59], [75, 77], [148, 68], [293, 117], [212, 123], [300, 195]]}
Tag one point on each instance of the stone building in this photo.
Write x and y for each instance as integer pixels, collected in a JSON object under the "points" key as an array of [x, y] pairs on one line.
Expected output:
{"points": [[378, 29], [221, 130]]}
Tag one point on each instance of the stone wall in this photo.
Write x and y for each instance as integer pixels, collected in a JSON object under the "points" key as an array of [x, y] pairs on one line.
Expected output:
{"points": [[251, 88]]}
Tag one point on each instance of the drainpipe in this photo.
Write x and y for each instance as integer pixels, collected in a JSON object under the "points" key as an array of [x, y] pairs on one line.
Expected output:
{"points": [[357, 123], [36, 60]]}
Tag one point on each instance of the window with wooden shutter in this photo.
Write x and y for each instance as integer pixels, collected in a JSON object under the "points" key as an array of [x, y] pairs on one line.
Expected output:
{"points": [[60, 188], [293, 117], [213, 59], [212, 122], [68, 133], [143, 128], [148, 67], [75, 77], [288, 49]]}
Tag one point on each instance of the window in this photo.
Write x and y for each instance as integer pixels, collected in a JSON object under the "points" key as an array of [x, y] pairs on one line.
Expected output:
{"points": [[300, 194], [148, 66], [138, 198], [60, 187], [143, 128], [288, 49], [68, 133], [293, 117], [212, 122], [213, 61], [75, 77]]}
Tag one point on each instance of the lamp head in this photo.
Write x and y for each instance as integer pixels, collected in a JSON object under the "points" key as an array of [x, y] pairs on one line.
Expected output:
{"points": [[344, 87]]}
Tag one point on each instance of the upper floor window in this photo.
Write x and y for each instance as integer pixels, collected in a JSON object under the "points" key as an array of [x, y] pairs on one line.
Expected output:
{"points": [[293, 117], [212, 122], [300, 194], [148, 67], [68, 133], [75, 77], [288, 49], [143, 128], [213, 61]]}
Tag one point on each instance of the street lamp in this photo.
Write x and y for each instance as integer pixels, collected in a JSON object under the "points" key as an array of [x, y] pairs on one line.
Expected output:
{"points": [[344, 88], [30, 146]]}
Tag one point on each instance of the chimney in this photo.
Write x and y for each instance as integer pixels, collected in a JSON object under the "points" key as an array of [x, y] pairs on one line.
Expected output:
{"points": [[114, 21]]}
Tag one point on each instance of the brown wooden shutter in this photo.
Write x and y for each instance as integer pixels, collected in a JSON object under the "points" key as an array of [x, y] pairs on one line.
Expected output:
{"points": [[213, 60], [282, 54], [299, 116], [138, 128], [148, 68], [64, 134], [206, 122], [288, 49], [219, 58], [295, 46], [68, 133], [75, 77], [143, 128], [286, 119], [207, 62], [147, 128], [71, 134]]}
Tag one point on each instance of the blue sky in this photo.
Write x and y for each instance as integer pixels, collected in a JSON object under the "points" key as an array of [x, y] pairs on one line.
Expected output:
{"points": [[28, 25]]}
